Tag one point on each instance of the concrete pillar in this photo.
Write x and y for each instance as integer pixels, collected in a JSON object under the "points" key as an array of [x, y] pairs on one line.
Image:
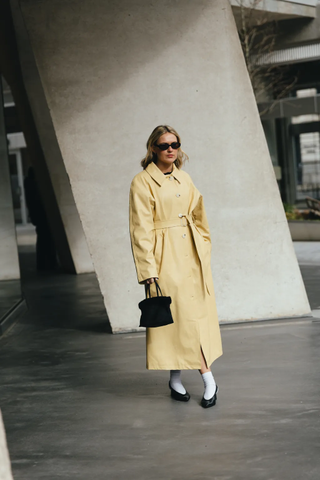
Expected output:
{"points": [[72, 233], [9, 261], [5, 467], [286, 160], [269, 129], [112, 71]]}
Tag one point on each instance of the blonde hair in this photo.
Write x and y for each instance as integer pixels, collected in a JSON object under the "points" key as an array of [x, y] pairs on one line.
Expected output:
{"points": [[152, 140]]}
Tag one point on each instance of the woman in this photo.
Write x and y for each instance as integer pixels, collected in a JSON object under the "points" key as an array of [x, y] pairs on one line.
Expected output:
{"points": [[171, 242]]}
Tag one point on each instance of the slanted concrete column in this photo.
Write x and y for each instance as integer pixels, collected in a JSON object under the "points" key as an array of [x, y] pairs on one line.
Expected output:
{"points": [[9, 261], [112, 71], [66, 227]]}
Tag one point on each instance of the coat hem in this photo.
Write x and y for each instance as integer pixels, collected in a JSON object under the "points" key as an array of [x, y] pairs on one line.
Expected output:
{"points": [[175, 367], [183, 366]]}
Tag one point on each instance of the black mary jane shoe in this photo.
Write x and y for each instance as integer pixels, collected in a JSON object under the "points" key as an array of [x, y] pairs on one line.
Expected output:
{"points": [[212, 401], [181, 397]]}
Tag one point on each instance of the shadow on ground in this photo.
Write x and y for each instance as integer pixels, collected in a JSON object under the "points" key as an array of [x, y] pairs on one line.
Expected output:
{"points": [[79, 403]]}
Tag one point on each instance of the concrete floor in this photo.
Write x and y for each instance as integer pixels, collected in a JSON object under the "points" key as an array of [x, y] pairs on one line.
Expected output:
{"points": [[10, 295], [78, 403]]}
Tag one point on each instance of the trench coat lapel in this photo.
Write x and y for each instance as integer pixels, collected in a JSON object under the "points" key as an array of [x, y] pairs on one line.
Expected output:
{"points": [[158, 176], [176, 173]]}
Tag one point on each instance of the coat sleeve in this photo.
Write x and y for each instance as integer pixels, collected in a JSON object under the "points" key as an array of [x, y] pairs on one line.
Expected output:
{"points": [[141, 207], [200, 217]]}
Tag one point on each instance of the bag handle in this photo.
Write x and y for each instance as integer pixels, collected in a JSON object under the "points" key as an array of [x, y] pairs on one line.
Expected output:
{"points": [[148, 292]]}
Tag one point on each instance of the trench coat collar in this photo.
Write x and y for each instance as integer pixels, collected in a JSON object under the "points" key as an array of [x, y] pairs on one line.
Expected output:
{"points": [[158, 176]]}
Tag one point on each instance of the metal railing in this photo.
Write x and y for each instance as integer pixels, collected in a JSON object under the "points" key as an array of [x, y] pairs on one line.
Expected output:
{"points": [[308, 190]]}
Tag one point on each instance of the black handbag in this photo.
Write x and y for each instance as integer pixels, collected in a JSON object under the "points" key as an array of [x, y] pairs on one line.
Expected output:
{"points": [[155, 311]]}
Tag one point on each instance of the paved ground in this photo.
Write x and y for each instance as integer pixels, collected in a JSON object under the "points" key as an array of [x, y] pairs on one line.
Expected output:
{"points": [[10, 295], [78, 403]]}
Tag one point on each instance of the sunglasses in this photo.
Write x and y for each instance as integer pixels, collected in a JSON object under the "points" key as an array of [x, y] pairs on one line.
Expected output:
{"points": [[165, 146]]}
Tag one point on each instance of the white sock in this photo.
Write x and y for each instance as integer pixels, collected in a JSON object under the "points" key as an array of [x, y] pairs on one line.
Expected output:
{"points": [[209, 385], [175, 381]]}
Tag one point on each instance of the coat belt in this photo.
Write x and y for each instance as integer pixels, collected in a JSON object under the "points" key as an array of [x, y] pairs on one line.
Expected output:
{"points": [[184, 221]]}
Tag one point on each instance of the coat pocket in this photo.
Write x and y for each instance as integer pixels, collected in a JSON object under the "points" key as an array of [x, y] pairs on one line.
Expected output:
{"points": [[158, 249]]}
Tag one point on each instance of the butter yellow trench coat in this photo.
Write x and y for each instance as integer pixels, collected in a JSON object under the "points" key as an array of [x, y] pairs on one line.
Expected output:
{"points": [[170, 239]]}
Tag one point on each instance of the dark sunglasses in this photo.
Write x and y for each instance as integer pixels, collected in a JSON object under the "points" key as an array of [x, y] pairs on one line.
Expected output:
{"points": [[165, 146]]}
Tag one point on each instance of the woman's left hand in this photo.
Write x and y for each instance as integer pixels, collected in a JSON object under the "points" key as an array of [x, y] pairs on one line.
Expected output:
{"points": [[151, 280]]}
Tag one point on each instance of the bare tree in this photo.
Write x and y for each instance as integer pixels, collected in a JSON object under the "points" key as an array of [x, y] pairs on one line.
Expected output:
{"points": [[258, 33]]}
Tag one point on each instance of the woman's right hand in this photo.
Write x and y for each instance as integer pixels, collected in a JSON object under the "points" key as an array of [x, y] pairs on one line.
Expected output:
{"points": [[151, 280]]}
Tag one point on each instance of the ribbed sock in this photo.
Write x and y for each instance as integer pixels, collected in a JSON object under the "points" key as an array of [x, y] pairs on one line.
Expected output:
{"points": [[209, 385], [175, 381]]}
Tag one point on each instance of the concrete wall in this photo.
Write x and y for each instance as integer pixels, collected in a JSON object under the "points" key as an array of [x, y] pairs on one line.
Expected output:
{"points": [[274, 9], [300, 31], [9, 261], [305, 231], [112, 71]]}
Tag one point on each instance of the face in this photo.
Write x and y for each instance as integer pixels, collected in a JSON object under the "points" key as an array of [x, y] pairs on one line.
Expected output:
{"points": [[166, 157]]}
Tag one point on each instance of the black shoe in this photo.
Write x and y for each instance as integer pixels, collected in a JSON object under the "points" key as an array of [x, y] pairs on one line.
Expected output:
{"points": [[181, 397], [212, 401]]}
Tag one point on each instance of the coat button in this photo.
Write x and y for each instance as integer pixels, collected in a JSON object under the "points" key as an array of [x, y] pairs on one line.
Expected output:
{"points": [[184, 235], [180, 215], [178, 195], [171, 178]]}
